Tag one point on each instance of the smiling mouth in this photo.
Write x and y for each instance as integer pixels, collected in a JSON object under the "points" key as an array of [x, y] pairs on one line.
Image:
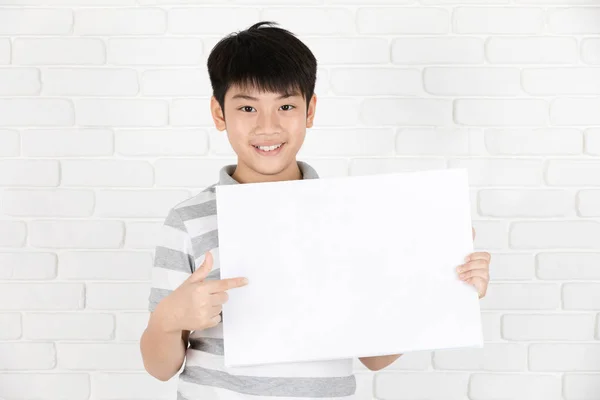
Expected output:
{"points": [[269, 150]]}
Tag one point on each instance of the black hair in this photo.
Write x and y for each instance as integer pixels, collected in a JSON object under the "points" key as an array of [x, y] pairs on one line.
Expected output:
{"points": [[269, 59]]}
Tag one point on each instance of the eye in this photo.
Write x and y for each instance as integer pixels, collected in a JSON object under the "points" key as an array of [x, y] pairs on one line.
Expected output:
{"points": [[288, 105], [245, 107]]}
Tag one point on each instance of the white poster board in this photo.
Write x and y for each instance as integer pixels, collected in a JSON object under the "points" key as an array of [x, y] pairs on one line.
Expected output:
{"points": [[347, 267]]}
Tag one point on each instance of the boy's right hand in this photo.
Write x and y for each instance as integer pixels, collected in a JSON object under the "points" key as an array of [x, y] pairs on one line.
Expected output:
{"points": [[196, 304]]}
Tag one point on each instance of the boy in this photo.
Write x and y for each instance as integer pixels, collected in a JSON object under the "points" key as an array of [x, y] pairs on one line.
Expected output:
{"points": [[263, 83]]}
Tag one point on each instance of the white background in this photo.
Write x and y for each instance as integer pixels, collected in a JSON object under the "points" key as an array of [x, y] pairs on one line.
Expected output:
{"points": [[104, 114]]}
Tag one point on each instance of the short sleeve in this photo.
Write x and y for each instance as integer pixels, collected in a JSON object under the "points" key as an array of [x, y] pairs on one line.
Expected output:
{"points": [[173, 259]]}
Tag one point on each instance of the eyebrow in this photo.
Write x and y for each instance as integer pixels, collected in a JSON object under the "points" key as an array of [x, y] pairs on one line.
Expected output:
{"points": [[248, 97]]}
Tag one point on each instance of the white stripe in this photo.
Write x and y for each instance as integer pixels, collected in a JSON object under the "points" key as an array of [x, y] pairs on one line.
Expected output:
{"points": [[175, 239], [216, 259], [322, 369], [202, 225], [193, 391], [214, 332], [200, 198], [163, 278]]}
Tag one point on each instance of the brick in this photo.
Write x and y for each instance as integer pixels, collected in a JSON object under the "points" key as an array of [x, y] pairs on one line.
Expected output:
{"points": [[30, 21], [130, 326], [190, 112], [215, 20], [176, 82], [491, 325], [436, 141], [521, 296], [349, 142], [142, 235], [472, 81], [5, 49], [67, 142], [502, 112], [567, 266], [121, 173], [581, 386], [324, 20], [587, 203], [19, 81], [532, 203], [105, 265], [498, 20], [512, 267], [48, 203], [400, 21], [114, 22], [76, 234], [376, 81], [12, 233], [90, 82], [534, 141], [117, 296], [493, 357], [573, 173], [590, 50], [175, 172], [438, 50], [412, 361], [36, 112], [338, 111], [555, 81], [145, 142], [25, 266], [422, 385], [581, 296], [501, 172], [78, 3], [346, 50], [99, 356], [369, 166], [64, 386], [580, 20], [549, 327], [134, 386], [10, 143], [564, 357], [531, 50], [126, 112], [68, 326], [394, 111], [592, 141], [556, 2], [515, 386], [155, 51], [490, 235], [55, 51], [575, 111], [329, 167], [137, 203], [11, 328], [27, 356], [555, 234]]}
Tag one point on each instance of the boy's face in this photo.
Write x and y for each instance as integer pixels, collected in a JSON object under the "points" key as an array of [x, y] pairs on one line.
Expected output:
{"points": [[266, 130]]}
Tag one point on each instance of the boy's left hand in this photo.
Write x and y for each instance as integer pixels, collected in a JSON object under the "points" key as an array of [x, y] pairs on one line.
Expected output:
{"points": [[476, 270]]}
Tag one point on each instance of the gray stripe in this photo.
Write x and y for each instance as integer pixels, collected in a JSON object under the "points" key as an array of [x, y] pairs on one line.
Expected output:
{"points": [[205, 242], [180, 396], [174, 220], [272, 386], [205, 209], [175, 260], [208, 345], [213, 275], [156, 295]]}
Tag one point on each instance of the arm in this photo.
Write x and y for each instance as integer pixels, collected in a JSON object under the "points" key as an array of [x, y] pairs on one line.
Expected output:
{"points": [[379, 362]]}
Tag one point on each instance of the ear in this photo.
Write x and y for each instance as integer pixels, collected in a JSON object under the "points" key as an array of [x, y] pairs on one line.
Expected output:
{"points": [[217, 114], [310, 113]]}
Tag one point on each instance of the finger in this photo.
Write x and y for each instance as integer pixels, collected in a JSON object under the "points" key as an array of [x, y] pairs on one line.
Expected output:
{"points": [[481, 273], [479, 284], [222, 285], [471, 265], [215, 310], [479, 256], [473, 230], [218, 299], [201, 273]]}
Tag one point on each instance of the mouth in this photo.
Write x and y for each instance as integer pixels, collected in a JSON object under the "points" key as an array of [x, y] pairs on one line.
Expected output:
{"points": [[271, 150]]}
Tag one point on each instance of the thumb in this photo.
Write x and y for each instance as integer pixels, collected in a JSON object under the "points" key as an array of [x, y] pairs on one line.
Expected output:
{"points": [[201, 273]]}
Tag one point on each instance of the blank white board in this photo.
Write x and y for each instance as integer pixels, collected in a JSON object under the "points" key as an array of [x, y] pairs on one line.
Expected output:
{"points": [[347, 267]]}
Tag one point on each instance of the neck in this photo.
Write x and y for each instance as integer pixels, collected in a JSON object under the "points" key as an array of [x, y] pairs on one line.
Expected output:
{"points": [[244, 174]]}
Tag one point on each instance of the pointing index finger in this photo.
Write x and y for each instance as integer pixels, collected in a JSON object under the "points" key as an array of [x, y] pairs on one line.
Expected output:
{"points": [[226, 284]]}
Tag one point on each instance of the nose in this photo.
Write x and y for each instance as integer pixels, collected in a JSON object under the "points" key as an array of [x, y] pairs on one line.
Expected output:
{"points": [[267, 122]]}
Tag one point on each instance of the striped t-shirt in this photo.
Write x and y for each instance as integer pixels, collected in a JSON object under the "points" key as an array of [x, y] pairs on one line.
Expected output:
{"points": [[189, 231]]}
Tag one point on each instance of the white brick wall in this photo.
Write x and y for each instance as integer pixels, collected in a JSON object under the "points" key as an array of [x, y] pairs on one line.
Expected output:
{"points": [[106, 102]]}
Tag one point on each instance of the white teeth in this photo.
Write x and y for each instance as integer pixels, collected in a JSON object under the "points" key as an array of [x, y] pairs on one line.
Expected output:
{"points": [[268, 148]]}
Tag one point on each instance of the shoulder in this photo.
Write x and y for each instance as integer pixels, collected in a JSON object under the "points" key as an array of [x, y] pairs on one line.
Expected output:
{"points": [[202, 204]]}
